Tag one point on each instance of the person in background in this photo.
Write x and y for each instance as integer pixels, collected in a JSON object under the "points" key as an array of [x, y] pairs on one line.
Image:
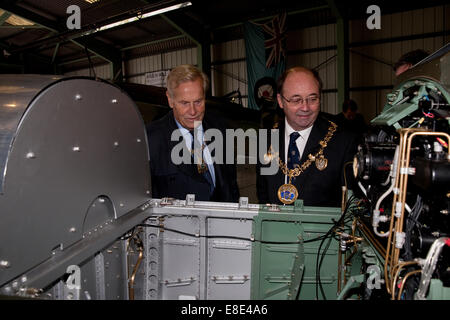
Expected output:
{"points": [[349, 119], [408, 60]]}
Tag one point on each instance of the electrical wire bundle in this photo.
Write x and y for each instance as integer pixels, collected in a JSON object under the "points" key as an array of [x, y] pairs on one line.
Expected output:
{"points": [[226, 236], [350, 210]]}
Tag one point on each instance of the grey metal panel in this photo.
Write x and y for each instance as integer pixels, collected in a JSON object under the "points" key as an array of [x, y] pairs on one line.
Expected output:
{"points": [[78, 140], [16, 92], [229, 260], [180, 273], [87, 291], [103, 277], [100, 276], [89, 279], [184, 265], [55, 267], [149, 284], [115, 273]]}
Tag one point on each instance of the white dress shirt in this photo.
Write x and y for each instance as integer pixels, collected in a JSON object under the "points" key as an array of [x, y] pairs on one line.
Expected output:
{"points": [[206, 154]]}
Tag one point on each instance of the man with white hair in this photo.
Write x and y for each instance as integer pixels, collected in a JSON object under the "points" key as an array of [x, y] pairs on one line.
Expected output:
{"points": [[209, 181]]}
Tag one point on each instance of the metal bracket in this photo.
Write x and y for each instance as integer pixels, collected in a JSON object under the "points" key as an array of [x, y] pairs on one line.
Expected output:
{"points": [[230, 279], [179, 282], [243, 203]]}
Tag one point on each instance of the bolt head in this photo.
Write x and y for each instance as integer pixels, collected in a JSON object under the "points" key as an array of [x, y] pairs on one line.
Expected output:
{"points": [[5, 264], [30, 155]]}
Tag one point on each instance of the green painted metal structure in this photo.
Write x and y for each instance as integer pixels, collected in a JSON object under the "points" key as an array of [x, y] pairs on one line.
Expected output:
{"points": [[396, 109], [285, 258]]}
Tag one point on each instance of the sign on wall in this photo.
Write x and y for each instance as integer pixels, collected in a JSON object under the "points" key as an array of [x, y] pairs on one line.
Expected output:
{"points": [[157, 78]]}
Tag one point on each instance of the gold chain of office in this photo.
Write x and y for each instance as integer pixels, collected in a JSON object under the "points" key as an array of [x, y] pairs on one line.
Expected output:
{"points": [[288, 193]]}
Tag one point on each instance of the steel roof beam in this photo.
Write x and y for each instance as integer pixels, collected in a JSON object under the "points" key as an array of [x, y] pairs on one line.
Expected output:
{"points": [[99, 48]]}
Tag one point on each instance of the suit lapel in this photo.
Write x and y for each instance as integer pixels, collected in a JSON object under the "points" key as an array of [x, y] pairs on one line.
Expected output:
{"points": [[279, 176], [282, 141]]}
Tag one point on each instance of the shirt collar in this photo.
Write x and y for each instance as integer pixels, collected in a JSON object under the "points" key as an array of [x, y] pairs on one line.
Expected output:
{"points": [[183, 130], [303, 133]]}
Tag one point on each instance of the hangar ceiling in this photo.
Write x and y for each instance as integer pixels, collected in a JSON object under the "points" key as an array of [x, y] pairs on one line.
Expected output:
{"points": [[34, 36]]}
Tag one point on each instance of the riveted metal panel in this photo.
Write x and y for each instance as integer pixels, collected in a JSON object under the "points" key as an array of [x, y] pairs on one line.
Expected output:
{"points": [[192, 249], [16, 92], [180, 258], [102, 277], [78, 141], [229, 260]]}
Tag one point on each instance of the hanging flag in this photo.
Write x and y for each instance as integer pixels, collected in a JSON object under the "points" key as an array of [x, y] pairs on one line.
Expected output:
{"points": [[265, 46]]}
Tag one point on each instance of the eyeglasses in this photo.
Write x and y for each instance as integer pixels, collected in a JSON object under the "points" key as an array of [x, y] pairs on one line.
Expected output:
{"points": [[296, 100]]}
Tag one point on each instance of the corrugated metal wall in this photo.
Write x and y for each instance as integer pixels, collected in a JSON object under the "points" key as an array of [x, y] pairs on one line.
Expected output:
{"points": [[229, 69], [372, 52], [135, 69], [101, 71], [308, 48], [370, 63]]}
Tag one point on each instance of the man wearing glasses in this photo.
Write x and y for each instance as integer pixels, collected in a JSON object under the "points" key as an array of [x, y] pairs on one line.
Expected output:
{"points": [[312, 150]]}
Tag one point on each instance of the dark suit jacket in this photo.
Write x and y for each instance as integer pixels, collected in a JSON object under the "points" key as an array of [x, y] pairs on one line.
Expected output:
{"points": [[176, 181], [315, 187]]}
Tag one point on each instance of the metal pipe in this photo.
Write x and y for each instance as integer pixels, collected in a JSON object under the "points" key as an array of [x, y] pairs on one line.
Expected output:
{"points": [[397, 273], [400, 197], [133, 276], [391, 224], [404, 281]]}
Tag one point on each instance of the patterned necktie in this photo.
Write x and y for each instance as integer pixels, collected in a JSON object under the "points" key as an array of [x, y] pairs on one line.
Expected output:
{"points": [[293, 156], [206, 174]]}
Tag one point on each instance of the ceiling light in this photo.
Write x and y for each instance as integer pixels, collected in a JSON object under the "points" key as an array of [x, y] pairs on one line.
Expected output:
{"points": [[92, 1], [15, 20], [140, 17]]}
